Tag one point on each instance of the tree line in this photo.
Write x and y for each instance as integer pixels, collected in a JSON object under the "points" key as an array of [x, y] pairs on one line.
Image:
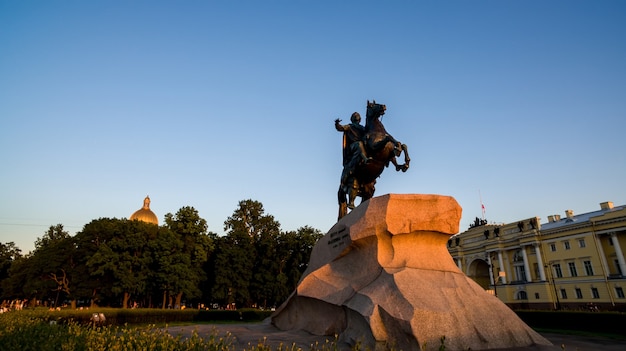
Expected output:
{"points": [[123, 263]]}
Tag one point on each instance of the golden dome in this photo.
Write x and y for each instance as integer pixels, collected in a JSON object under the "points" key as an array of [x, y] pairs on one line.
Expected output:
{"points": [[144, 214]]}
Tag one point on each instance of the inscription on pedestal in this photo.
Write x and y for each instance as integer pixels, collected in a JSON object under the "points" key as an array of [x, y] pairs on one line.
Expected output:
{"points": [[338, 237]]}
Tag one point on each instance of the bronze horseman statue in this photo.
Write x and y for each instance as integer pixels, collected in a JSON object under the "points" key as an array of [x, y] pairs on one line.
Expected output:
{"points": [[366, 152]]}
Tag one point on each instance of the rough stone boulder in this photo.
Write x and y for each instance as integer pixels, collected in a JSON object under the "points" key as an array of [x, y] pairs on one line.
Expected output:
{"points": [[382, 277]]}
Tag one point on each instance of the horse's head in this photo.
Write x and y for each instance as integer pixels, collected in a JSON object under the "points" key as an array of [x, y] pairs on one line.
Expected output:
{"points": [[374, 110]]}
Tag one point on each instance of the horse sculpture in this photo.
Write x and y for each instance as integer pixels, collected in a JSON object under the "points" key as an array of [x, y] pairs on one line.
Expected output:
{"points": [[381, 148]]}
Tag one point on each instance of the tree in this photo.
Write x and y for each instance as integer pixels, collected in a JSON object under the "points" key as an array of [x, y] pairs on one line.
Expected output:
{"points": [[250, 218], [9, 253], [111, 261], [248, 252], [231, 268], [294, 254], [19, 282], [170, 270], [95, 287], [197, 244], [125, 258], [55, 234], [49, 268]]}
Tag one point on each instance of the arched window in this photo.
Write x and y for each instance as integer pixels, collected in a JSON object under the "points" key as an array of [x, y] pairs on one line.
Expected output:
{"points": [[521, 295]]}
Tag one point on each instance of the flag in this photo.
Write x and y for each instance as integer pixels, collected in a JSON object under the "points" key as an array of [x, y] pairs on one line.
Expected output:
{"points": [[482, 206]]}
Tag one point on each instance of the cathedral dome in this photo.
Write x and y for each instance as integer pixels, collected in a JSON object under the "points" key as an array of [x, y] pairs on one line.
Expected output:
{"points": [[144, 214]]}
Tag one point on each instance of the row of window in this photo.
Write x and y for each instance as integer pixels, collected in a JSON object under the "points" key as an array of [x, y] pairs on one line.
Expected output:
{"points": [[573, 272], [520, 272], [558, 272], [619, 292], [581, 244], [566, 245]]}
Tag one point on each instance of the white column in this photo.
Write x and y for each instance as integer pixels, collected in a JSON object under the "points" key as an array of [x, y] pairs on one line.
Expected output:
{"points": [[526, 266], [502, 267], [542, 273], [491, 280], [618, 252], [603, 261], [458, 264]]}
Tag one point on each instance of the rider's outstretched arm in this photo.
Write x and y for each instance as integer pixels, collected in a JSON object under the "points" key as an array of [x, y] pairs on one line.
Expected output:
{"points": [[339, 127]]}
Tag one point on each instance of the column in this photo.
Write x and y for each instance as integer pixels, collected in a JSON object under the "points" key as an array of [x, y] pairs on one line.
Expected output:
{"points": [[526, 266], [603, 262], [491, 280], [542, 273], [502, 267], [618, 252]]}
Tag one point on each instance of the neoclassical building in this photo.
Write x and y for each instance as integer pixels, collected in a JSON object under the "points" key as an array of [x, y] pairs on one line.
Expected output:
{"points": [[570, 262], [145, 214]]}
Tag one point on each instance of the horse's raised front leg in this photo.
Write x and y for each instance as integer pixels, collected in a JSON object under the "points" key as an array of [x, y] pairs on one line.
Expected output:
{"points": [[395, 163], [407, 159], [398, 149]]}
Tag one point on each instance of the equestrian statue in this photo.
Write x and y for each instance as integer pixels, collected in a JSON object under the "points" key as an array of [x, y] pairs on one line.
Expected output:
{"points": [[366, 152]]}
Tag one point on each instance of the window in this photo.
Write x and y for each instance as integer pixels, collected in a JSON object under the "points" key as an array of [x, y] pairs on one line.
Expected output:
{"points": [[588, 268], [619, 268], [579, 293], [610, 241], [553, 247], [563, 294], [557, 270], [581, 243], [594, 293], [566, 245], [619, 292], [572, 269], [537, 296], [520, 273], [522, 295]]}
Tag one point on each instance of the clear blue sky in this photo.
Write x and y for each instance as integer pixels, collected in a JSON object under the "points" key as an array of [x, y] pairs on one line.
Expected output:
{"points": [[206, 103]]}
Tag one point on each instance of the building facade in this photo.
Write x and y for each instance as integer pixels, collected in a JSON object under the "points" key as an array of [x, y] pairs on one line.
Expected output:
{"points": [[575, 262]]}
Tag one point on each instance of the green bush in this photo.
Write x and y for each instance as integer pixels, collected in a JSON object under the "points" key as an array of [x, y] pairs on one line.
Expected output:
{"points": [[25, 331], [43, 330], [117, 316]]}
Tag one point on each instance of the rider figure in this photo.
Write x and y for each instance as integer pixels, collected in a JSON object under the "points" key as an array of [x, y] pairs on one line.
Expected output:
{"points": [[353, 153]]}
